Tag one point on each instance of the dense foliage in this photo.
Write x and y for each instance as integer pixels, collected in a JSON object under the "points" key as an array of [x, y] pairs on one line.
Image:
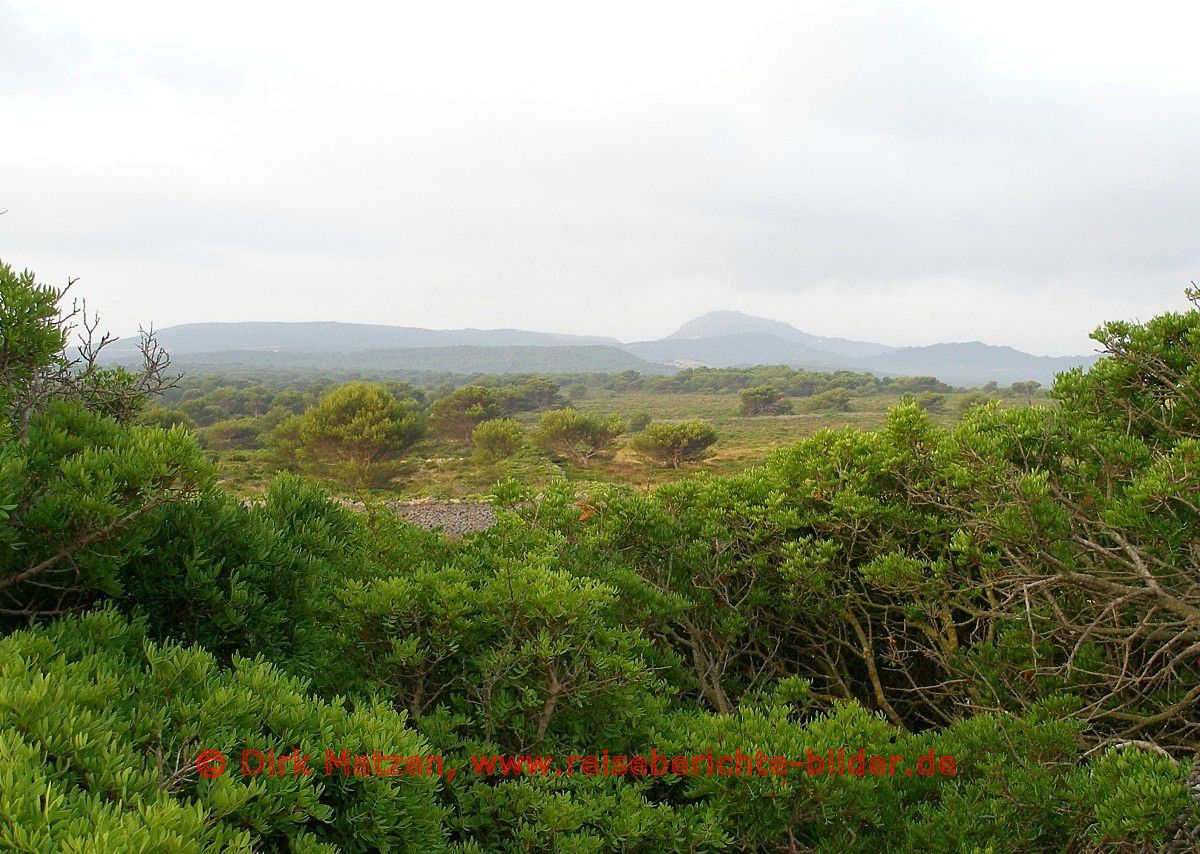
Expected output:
{"points": [[499, 437], [356, 428], [1020, 592], [763, 400], [675, 442], [457, 414], [578, 435]]}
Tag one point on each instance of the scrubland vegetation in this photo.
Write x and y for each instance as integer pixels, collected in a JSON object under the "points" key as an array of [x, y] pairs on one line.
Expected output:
{"points": [[537, 428], [1013, 585]]}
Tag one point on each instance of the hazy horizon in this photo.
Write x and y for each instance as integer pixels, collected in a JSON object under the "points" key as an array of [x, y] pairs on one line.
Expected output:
{"points": [[623, 340], [900, 173]]}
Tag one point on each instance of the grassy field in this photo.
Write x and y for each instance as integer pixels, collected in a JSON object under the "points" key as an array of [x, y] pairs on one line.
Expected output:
{"points": [[442, 469]]}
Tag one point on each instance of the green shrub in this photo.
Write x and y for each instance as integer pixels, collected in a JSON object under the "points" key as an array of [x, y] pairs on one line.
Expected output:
{"points": [[233, 434], [675, 443], [456, 415], [356, 431], [161, 416], [500, 437], [831, 400], [100, 729], [763, 400], [571, 433], [972, 399], [247, 580], [931, 401], [639, 421], [82, 497]]}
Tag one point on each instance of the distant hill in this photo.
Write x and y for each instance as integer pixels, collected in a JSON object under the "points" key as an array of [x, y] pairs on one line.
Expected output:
{"points": [[971, 363], [327, 337], [720, 324], [741, 348], [732, 339], [466, 359], [717, 339]]}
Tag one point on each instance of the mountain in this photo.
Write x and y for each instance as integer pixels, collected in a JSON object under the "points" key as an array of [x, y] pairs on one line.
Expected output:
{"points": [[465, 359], [971, 363], [328, 337], [716, 339], [720, 324], [733, 339], [739, 348]]}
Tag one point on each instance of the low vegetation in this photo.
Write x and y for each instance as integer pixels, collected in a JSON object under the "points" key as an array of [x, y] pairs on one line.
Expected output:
{"points": [[675, 443], [249, 425], [578, 435], [355, 432], [497, 438], [1015, 588], [763, 400]]}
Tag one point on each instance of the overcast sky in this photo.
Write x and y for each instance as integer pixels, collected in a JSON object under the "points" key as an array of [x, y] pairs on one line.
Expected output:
{"points": [[899, 172]]}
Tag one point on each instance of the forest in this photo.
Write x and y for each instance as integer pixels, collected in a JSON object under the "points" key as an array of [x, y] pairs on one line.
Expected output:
{"points": [[1006, 577]]}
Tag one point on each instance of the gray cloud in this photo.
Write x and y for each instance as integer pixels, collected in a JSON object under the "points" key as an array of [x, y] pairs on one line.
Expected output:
{"points": [[881, 170]]}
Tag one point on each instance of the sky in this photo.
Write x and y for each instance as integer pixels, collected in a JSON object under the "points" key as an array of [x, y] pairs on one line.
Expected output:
{"points": [[906, 173]]}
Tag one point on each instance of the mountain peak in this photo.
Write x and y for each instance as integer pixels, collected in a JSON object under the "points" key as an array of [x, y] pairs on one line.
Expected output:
{"points": [[718, 323], [724, 323]]}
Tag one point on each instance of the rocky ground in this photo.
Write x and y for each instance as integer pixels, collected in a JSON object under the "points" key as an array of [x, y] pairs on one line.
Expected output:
{"points": [[454, 518]]}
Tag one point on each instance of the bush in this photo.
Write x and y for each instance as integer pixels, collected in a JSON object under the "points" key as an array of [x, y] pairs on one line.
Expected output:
{"points": [[285, 444], [82, 496], [639, 421], [931, 401], [37, 367], [571, 433], [356, 429], [456, 415], [246, 580], [972, 399], [530, 395], [832, 400], [675, 443], [529, 653], [100, 729], [1024, 390], [233, 434], [763, 400], [161, 416], [500, 437]]}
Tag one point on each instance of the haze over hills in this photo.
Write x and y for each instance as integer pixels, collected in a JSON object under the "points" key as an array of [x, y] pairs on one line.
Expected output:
{"points": [[716, 339], [462, 359], [730, 338], [717, 324], [331, 336], [970, 363]]}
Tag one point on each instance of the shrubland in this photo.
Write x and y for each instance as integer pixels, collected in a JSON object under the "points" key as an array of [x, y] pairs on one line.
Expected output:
{"points": [[247, 421], [1018, 589]]}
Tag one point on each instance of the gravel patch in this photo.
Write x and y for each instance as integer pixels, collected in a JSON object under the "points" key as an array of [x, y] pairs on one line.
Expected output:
{"points": [[452, 517]]}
